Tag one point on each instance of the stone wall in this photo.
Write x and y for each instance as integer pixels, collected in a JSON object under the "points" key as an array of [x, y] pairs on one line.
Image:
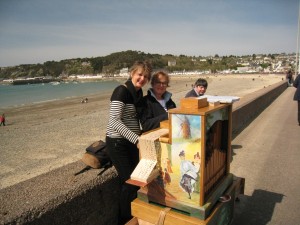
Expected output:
{"points": [[250, 106], [61, 197]]}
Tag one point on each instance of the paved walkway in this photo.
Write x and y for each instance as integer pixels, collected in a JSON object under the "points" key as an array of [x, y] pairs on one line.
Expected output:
{"points": [[267, 155]]}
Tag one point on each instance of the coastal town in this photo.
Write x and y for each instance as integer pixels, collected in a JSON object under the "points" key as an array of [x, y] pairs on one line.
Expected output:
{"points": [[94, 68]]}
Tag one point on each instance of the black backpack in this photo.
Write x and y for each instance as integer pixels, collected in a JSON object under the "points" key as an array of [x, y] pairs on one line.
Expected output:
{"points": [[96, 155]]}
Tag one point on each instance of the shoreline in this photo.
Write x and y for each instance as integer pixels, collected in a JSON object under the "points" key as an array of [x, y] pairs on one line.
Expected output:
{"points": [[189, 79], [45, 136]]}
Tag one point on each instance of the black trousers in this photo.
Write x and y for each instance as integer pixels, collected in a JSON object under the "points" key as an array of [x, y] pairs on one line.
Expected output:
{"points": [[299, 112], [125, 157]]}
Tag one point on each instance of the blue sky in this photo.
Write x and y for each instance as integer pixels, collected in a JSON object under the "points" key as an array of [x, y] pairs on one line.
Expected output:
{"points": [[36, 31]]}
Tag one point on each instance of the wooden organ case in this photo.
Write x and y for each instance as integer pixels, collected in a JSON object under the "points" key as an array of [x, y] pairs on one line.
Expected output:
{"points": [[193, 159]]}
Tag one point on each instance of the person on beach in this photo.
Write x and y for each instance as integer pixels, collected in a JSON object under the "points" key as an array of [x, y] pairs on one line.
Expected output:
{"points": [[296, 84], [85, 100], [199, 89], [157, 102], [123, 131], [289, 77], [2, 120]]}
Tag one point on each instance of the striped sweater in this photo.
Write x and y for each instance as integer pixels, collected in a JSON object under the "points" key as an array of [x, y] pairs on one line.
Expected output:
{"points": [[123, 121]]}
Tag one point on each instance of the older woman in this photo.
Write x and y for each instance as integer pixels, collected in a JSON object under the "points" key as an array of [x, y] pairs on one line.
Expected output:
{"points": [[123, 131], [157, 102]]}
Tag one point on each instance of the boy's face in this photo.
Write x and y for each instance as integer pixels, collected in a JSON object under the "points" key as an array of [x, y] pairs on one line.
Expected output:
{"points": [[201, 90]]}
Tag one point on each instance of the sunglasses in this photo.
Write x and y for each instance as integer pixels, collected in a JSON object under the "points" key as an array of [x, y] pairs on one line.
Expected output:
{"points": [[164, 84]]}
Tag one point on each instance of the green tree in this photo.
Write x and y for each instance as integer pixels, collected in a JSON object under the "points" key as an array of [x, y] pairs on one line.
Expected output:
{"points": [[97, 64]]}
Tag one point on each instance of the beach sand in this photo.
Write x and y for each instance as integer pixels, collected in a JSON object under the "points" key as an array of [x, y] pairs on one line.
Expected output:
{"points": [[42, 137]]}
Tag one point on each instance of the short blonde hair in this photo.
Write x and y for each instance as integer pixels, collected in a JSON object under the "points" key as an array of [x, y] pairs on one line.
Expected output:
{"points": [[145, 65]]}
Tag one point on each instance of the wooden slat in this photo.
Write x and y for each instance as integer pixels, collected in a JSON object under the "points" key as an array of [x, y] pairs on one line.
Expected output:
{"points": [[150, 213]]}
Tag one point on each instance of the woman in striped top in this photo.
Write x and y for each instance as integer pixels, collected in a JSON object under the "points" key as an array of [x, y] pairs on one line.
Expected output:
{"points": [[123, 131]]}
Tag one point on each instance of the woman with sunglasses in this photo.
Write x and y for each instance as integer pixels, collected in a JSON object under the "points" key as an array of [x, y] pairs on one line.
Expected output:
{"points": [[157, 102]]}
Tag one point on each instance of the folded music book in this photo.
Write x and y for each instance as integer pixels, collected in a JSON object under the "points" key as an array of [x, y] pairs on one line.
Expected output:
{"points": [[147, 170]]}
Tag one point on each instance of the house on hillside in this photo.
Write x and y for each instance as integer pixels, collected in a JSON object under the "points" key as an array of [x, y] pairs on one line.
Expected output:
{"points": [[171, 62]]}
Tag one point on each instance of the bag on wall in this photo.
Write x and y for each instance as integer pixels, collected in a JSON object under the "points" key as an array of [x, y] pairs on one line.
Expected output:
{"points": [[96, 155]]}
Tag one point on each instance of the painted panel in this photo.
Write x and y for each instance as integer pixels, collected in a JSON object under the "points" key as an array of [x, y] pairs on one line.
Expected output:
{"points": [[180, 161]]}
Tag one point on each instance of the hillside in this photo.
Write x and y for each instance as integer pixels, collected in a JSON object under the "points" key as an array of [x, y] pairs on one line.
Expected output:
{"points": [[112, 64]]}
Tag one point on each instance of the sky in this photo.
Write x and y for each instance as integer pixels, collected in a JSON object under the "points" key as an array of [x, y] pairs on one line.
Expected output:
{"points": [[36, 31]]}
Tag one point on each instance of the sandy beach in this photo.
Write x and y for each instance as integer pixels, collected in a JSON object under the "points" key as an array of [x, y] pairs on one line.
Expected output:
{"points": [[46, 136]]}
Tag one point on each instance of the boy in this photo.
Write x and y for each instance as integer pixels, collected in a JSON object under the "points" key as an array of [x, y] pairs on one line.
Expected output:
{"points": [[199, 89]]}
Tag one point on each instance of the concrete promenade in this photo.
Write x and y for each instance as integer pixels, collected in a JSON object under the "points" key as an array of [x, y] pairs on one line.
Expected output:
{"points": [[267, 155]]}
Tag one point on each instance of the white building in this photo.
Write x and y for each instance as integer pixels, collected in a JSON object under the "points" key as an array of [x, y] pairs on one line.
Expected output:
{"points": [[124, 72]]}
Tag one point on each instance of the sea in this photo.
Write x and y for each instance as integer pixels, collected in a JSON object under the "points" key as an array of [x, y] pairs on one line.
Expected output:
{"points": [[21, 95]]}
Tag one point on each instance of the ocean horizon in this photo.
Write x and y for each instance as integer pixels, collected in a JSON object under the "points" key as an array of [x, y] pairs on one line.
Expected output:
{"points": [[21, 95]]}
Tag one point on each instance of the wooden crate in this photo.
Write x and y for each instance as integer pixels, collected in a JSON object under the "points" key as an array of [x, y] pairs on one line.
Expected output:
{"points": [[137, 221], [193, 103], [222, 213], [152, 193]]}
